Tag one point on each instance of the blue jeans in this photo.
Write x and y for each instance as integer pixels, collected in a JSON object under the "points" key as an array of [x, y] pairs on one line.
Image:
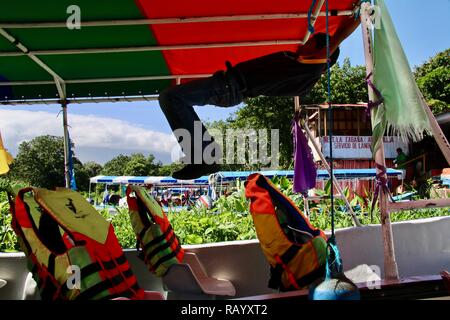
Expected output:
{"points": [[221, 89]]}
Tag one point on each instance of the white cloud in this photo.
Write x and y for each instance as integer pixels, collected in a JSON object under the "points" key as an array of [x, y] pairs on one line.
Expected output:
{"points": [[87, 132]]}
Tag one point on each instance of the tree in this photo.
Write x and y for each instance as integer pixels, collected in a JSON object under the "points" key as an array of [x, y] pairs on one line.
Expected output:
{"points": [[138, 165], [92, 168], [168, 169], [270, 113], [81, 175], [135, 165], [433, 79], [116, 166], [40, 162]]}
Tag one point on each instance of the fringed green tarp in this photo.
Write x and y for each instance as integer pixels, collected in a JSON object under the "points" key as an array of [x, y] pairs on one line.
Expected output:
{"points": [[403, 110]]}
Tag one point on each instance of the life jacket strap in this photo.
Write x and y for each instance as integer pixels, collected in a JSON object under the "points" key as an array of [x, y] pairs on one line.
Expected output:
{"points": [[109, 283], [162, 247], [107, 265], [275, 277], [173, 238], [157, 239], [171, 255], [283, 260]]}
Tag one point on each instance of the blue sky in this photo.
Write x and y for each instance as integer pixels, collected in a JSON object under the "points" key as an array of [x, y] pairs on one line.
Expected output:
{"points": [[421, 25]]}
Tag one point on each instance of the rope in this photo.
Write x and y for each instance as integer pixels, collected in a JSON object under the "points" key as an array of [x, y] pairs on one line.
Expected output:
{"points": [[334, 261], [373, 104], [71, 168], [310, 12], [330, 116], [380, 179], [381, 185]]}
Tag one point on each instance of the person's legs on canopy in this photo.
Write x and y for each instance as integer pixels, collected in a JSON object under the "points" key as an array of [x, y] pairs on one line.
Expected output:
{"points": [[221, 89]]}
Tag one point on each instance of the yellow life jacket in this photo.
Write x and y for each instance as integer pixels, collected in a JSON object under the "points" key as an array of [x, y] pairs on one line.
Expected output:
{"points": [[295, 250], [73, 250], [155, 236]]}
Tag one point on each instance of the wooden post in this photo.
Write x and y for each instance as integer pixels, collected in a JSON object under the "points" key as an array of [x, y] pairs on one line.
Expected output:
{"points": [[439, 136], [66, 144], [306, 205], [390, 265]]}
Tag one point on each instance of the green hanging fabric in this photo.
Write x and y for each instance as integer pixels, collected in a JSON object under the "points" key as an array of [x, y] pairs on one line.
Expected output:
{"points": [[402, 112]]}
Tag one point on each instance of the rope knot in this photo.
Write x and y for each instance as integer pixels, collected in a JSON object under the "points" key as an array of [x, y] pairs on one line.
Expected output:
{"points": [[381, 185], [373, 104]]}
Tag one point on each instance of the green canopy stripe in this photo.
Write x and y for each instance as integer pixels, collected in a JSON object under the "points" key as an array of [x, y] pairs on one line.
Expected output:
{"points": [[79, 66]]}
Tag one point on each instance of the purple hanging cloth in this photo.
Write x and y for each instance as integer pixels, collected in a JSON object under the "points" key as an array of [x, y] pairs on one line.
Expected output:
{"points": [[305, 171]]}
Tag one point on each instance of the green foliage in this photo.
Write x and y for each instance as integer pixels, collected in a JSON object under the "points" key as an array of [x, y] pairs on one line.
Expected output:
{"points": [[433, 79], [116, 166], [81, 175], [230, 218], [135, 165], [440, 59], [8, 240], [168, 169], [92, 168], [201, 226], [269, 113], [40, 162], [348, 85], [122, 226]]}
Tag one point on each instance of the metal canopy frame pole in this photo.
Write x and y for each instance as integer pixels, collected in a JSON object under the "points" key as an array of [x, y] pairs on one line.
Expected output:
{"points": [[60, 86], [122, 99], [79, 100], [314, 17], [390, 265], [316, 13], [134, 22], [25, 51], [118, 79], [66, 144], [156, 48]]}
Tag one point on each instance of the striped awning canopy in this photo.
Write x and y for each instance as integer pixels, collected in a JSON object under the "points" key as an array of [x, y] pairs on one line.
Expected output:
{"points": [[340, 174], [228, 176], [153, 180], [132, 49]]}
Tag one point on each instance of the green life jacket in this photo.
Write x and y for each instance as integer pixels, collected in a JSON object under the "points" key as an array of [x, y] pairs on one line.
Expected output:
{"points": [[155, 236]]}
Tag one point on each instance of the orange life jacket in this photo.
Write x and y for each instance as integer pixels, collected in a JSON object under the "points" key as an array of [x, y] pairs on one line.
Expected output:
{"points": [[295, 250], [159, 243], [62, 235]]}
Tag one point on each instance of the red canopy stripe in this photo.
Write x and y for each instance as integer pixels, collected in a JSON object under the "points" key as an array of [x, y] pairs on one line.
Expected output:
{"points": [[208, 60]]}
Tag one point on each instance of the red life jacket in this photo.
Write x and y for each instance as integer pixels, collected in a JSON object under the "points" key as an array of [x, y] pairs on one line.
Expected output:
{"points": [[73, 250]]}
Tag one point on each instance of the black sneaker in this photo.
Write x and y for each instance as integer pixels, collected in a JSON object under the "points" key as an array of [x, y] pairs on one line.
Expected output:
{"points": [[194, 171]]}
